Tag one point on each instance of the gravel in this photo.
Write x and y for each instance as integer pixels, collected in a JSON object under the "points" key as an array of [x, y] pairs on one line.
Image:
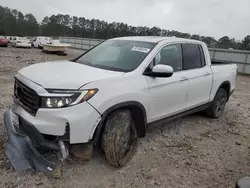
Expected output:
{"points": [[214, 153]]}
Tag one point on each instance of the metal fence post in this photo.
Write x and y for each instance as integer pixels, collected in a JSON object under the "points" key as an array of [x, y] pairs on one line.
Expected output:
{"points": [[81, 43], [243, 71], [214, 54]]}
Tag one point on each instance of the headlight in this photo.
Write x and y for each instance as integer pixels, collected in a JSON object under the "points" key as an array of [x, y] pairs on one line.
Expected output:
{"points": [[61, 102]]}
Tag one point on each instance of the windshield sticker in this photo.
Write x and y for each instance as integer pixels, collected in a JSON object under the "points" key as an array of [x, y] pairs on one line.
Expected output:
{"points": [[140, 49]]}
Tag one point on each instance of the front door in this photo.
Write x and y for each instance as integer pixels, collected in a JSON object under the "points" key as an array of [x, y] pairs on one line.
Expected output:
{"points": [[167, 96]]}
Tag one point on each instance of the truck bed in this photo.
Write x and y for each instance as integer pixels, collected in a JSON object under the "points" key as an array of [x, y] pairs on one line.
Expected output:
{"points": [[216, 62], [223, 72]]}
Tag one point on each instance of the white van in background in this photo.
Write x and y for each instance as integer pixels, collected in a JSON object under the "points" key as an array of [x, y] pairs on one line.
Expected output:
{"points": [[38, 42]]}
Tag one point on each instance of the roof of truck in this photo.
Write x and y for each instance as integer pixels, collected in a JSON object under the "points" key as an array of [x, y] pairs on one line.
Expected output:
{"points": [[156, 39]]}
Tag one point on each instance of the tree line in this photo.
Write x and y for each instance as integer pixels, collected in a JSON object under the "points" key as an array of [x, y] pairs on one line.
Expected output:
{"points": [[15, 23]]}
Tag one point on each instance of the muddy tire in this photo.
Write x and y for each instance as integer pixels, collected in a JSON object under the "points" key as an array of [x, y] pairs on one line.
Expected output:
{"points": [[119, 139], [218, 105]]}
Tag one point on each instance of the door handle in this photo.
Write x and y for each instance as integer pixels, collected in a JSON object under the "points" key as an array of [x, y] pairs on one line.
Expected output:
{"points": [[207, 73], [183, 79]]}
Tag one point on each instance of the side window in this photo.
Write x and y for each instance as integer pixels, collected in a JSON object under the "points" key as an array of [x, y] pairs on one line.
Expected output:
{"points": [[170, 55], [192, 56], [203, 61]]}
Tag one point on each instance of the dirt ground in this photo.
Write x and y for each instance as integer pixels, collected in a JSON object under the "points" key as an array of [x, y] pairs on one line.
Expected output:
{"points": [[194, 151]]}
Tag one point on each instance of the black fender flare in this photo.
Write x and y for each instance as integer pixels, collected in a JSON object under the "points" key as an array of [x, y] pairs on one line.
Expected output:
{"points": [[227, 89], [141, 128]]}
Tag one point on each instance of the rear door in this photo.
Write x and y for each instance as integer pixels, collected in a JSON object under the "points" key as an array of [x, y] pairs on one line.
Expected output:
{"points": [[198, 73]]}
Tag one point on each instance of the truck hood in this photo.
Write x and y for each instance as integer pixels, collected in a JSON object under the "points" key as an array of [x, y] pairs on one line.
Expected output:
{"points": [[65, 74]]}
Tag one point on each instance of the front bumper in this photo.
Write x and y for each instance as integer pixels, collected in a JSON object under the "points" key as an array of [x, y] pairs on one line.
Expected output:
{"points": [[21, 152], [81, 120]]}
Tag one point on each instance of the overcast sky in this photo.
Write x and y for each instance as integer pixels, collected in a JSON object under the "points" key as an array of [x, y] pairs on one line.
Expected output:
{"points": [[215, 18]]}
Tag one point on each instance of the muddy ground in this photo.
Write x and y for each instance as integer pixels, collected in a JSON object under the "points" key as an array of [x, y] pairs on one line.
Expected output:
{"points": [[194, 151]]}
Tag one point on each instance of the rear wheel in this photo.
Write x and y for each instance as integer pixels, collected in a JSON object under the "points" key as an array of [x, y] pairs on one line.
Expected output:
{"points": [[119, 139], [218, 105]]}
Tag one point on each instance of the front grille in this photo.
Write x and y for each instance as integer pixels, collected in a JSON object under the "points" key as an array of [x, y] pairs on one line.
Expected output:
{"points": [[26, 97]]}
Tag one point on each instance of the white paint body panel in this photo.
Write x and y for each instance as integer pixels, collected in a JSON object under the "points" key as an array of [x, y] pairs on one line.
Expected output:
{"points": [[222, 73], [65, 74], [167, 96], [199, 86], [160, 97]]}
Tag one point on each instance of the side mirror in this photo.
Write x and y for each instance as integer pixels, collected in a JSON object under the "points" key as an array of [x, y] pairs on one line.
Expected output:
{"points": [[162, 71], [243, 183]]}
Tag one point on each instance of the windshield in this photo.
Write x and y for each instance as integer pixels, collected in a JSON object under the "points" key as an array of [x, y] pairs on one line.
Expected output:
{"points": [[117, 55]]}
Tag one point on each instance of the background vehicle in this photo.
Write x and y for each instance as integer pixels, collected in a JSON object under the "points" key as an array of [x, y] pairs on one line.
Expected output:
{"points": [[38, 42], [3, 41], [111, 94], [12, 39], [8, 38], [21, 42]]}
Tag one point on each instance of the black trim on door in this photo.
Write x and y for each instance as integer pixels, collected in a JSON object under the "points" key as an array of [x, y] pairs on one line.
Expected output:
{"points": [[182, 114]]}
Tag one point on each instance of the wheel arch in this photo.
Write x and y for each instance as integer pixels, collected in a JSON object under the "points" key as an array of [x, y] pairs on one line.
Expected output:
{"points": [[227, 86], [138, 114]]}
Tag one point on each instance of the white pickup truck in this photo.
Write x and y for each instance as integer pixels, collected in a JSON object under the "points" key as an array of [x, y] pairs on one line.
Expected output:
{"points": [[109, 95]]}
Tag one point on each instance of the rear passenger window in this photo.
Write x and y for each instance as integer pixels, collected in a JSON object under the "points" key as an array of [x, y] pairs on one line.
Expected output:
{"points": [[192, 56], [203, 61]]}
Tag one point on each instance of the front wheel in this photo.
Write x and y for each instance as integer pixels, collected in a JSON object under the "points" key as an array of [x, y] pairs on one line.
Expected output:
{"points": [[119, 139], [218, 105]]}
